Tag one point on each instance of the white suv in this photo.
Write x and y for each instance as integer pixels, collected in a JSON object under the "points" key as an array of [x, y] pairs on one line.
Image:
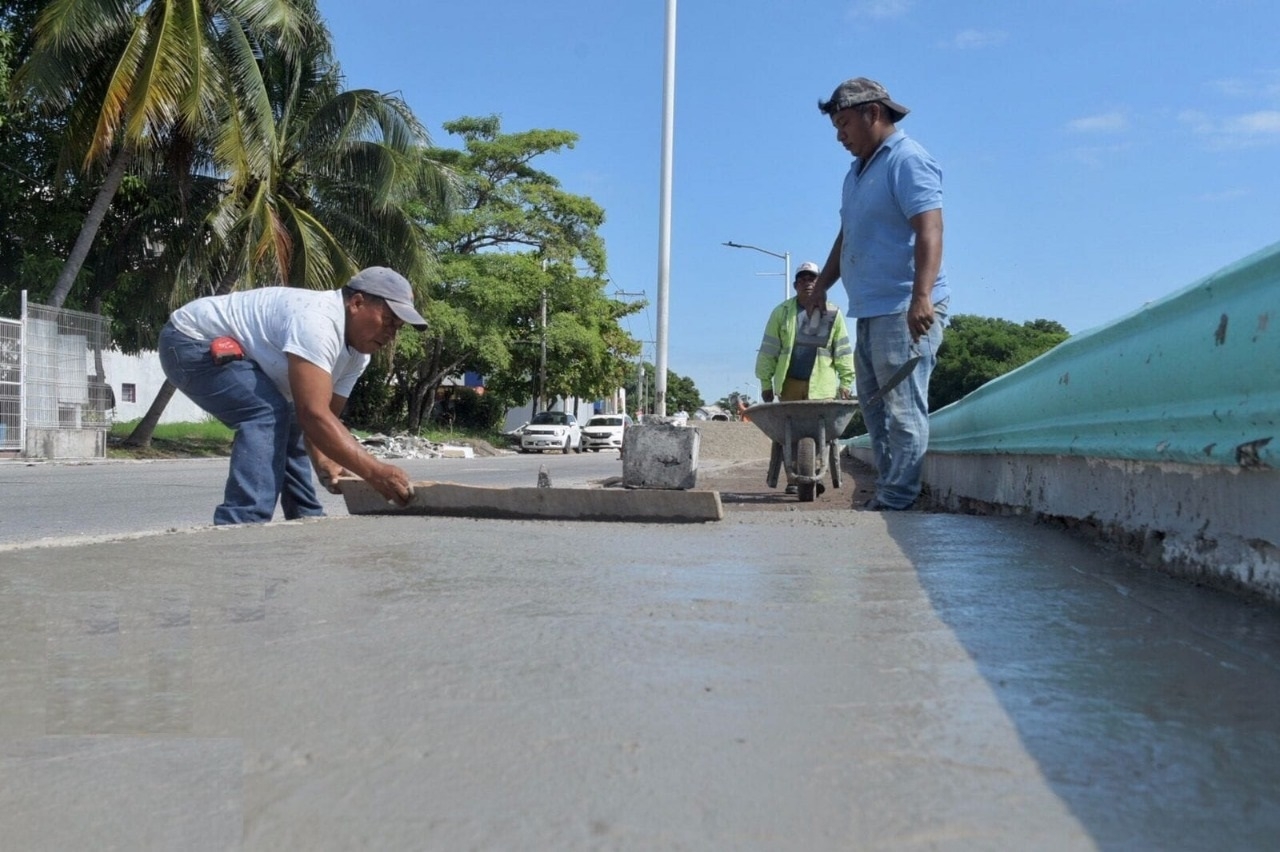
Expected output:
{"points": [[551, 430], [604, 432]]}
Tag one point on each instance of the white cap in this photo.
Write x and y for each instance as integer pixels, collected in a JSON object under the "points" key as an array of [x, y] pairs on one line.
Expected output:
{"points": [[808, 266]]}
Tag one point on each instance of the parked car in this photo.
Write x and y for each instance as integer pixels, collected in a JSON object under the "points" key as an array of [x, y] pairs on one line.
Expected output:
{"points": [[552, 430], [604, 432], [514, 436]]}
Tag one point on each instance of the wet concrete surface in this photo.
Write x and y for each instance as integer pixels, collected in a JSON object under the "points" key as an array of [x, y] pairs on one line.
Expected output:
{"points": [[798, 677]]}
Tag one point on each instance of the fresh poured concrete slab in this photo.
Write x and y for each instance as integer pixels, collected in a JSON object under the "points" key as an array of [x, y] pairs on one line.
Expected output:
{"points": [[585, 504], [809, 679]]}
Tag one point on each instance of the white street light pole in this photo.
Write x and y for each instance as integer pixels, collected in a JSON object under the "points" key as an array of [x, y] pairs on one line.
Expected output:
{"points": [[785, 256], [664, 213]]}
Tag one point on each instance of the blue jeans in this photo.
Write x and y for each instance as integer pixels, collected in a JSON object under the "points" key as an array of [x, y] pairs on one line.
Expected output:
{"points": [[269, 460], [898, 425]]}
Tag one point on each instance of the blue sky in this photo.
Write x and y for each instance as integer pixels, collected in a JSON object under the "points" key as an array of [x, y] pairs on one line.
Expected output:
{"points": [[1096, 154]]}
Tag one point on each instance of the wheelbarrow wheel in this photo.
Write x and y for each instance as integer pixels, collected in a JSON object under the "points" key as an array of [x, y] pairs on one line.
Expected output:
{"points": [[806, 464], [775, 465], [834, 457]]}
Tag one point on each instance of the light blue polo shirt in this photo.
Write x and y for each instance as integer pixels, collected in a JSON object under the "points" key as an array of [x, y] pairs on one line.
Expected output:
{"points": [[877, 262]]}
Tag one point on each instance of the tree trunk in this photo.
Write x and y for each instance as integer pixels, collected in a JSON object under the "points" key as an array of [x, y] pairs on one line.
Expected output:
{"points": [[89, 230], [417, 398], [141, 434]]}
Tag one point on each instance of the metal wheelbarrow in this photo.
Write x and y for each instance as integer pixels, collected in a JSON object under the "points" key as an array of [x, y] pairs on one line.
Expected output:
{"points": [[804, 434]]}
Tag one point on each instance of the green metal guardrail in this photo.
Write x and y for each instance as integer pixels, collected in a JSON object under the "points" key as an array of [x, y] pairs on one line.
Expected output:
{"points": [[1191, 378]]}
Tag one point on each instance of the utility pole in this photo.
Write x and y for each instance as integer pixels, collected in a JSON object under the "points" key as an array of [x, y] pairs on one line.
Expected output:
{"points": [[542, 370], [640, 364]]}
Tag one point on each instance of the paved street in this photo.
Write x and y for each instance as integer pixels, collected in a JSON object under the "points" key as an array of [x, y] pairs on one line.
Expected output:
{"points": [[798, 678], [60, 500]]}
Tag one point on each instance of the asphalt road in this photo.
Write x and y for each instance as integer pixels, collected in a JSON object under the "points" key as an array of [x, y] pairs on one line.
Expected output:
{"points": [[55, 500]]}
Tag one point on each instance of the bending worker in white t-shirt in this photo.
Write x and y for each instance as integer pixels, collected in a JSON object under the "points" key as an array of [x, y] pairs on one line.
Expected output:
{"points": [[283, 388]]}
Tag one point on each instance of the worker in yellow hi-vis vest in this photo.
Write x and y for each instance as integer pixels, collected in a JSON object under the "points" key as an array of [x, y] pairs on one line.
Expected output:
{"points": [[805, 354]]}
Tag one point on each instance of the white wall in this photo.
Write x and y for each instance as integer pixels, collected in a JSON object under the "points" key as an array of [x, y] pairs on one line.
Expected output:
{"points": [[519, 416], [144, 373]]}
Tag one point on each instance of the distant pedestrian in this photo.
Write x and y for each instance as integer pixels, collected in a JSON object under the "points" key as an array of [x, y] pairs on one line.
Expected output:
{"points": [[888, 253], [277, 364], [805, 351]]}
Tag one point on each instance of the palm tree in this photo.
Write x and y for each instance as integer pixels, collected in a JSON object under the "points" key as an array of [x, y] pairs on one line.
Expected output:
{"points": [[132, 73], [319, 183]]}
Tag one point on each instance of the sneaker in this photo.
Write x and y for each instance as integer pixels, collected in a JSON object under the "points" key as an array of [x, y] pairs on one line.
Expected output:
{"points": [[875, 504], [791, 489], [821, 488]]}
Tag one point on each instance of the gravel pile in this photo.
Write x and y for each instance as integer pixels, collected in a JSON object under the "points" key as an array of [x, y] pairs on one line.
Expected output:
{"points": [[730, 440], [412, 447], [401, 447]]}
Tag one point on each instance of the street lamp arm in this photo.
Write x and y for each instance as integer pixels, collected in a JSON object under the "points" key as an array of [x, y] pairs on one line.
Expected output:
{"points": [[732, 244], [786, 256]]}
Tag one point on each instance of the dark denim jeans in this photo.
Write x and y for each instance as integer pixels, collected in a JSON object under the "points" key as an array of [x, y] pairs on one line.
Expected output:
{"points": [[269, 461]]}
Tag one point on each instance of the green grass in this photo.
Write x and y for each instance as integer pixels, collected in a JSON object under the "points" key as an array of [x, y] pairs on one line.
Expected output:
{"points": [[207, 438]]}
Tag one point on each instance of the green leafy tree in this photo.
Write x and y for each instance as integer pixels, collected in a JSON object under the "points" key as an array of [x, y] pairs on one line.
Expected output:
{"points": [[682, 392], [977, 349], [135, 77], [39, 214], [514, 235], [320, 182]]}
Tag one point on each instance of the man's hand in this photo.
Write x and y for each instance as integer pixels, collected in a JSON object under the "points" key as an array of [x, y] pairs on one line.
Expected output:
{"points": [[920, 318], [328, 472], [767, 395], [330, 442], [846, 393], [391, 482]]}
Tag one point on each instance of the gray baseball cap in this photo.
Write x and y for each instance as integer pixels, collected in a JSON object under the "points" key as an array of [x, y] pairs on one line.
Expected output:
{"points": [[392, 287], [860, 90]]}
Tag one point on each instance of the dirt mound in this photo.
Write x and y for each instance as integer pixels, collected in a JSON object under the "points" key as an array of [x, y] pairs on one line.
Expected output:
{"points": [[730, 439]]}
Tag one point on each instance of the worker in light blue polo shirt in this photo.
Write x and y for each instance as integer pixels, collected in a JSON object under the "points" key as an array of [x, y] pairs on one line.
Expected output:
{"points": [[888, 253]]}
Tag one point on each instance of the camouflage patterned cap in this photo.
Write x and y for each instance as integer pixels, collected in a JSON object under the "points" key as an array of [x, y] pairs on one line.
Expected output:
{"points": [[857, 91]]}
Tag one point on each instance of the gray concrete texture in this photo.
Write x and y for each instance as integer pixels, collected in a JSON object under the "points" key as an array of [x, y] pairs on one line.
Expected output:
{"points": [[1213, 524], [660, 455], [585, 503], [803, 678]]}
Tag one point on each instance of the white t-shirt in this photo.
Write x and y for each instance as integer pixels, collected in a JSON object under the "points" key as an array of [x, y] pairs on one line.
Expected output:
{"points": [[272, 322]]}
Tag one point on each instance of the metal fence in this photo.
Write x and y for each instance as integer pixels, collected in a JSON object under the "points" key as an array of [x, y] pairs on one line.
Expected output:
{"points": [[10, 384], [51, 373]]}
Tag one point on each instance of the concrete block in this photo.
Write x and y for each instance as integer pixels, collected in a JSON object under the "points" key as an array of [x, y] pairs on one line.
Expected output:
{"points": [[568, 504], [66, 443], [449, 451], [660, 455]]}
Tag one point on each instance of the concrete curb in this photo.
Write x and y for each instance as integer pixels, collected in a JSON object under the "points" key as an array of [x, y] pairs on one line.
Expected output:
{"points": [[565, 504]]}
